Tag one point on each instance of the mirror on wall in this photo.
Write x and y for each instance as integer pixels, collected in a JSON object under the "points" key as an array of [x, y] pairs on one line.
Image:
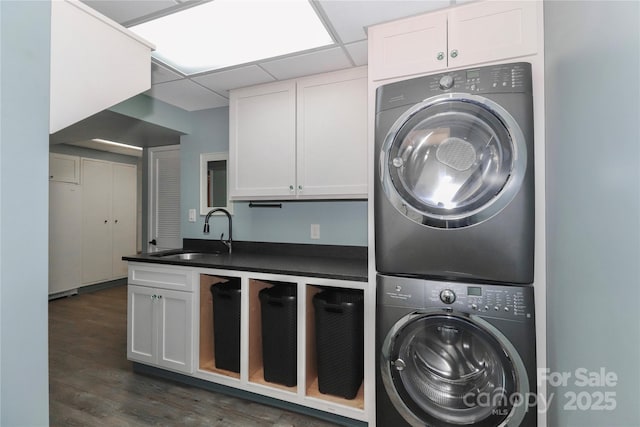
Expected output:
{"points": [[213, 182]]}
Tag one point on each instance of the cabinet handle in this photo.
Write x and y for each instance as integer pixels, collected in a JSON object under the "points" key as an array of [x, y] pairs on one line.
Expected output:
{"points": [[454, 53], [440, 56], [300, 187], [291, 188], [153, 296], [105, 221], [159, 296], [116, 221]]}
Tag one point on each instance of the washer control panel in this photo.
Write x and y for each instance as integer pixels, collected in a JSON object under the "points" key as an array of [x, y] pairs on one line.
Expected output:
{"points": [[501, 301]]}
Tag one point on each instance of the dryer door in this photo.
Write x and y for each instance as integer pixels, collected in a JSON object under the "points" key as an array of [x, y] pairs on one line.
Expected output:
{"points": [[453, 160], [450, 369]]}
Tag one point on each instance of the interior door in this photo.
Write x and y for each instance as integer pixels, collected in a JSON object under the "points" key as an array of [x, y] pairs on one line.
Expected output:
{"points": [[164, 198], [97, 245], [124, 216], [65, 222]]}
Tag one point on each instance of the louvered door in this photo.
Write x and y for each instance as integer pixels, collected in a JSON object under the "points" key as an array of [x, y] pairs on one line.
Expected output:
{"points": [[165, 199]]}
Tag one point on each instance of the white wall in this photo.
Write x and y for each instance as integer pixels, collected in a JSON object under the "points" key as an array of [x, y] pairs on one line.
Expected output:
{"points": [[24, 165], [592, 76]]}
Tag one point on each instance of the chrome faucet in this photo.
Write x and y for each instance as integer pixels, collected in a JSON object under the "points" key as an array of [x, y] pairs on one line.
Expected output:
{"points": [[227, 242]]}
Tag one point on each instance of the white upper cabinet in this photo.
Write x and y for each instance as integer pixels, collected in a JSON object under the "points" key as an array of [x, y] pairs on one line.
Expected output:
{"points": [[490, 31], [407, 46], [64, 168], [262, 133], [300, 139], [95, 63], [472, 34], [332, 135]]}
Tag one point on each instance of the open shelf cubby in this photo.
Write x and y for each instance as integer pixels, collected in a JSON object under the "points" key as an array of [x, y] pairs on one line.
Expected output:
{"points": [[311, 386], [207, 329], [256, 363]]}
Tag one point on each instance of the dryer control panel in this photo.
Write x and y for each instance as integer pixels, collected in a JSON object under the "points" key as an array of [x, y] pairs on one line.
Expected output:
{"points": [[492, 79]]}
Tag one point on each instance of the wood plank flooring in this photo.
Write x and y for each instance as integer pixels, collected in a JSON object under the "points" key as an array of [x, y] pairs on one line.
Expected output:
{"points": [[91, 382]]}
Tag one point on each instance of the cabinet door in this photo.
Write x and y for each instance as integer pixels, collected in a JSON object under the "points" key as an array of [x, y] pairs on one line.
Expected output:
{"points": [[96, 221], [63, 168], [332, 135], [123, 216], [65, 231], [489, 31], [262, 141], [175, 330], [142, 331], [409, 46]]}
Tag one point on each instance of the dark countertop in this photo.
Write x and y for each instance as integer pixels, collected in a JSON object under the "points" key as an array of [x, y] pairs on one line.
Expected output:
{"points": [[332, 262]]}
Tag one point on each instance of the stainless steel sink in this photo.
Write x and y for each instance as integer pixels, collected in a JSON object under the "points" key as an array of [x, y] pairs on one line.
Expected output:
{"points": [[187, 255]]}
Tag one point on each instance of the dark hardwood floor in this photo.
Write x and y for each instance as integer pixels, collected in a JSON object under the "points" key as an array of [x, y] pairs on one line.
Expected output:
{"points": [[92, 383]]}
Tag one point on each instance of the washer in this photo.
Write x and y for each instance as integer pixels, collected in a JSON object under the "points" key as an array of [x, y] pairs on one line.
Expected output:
{"points": [[454, 179], [454, 354]]}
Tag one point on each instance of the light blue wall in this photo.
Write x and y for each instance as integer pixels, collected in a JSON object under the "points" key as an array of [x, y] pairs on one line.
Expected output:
{"points": [[155, 111], [24, 163], [592, 77], [341, 222]]}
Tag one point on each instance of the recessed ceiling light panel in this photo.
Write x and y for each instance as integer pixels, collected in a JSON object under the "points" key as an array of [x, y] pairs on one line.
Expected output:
{"points": [[224, 33]]}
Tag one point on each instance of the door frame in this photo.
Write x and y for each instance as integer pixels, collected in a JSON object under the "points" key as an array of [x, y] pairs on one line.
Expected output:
{"points": [[150, 190]]}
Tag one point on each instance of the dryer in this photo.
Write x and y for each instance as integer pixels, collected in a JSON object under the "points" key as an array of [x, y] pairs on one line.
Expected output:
{"points": [[451, 354], [454, 179]]}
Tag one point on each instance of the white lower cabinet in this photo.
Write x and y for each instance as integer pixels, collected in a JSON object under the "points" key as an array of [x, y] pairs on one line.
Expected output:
{"points": [[160, 323], [172, 324]]}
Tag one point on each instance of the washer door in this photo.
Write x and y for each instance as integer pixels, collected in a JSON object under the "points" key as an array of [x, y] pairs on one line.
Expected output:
{"points": [[453, 161], [450, 369]]}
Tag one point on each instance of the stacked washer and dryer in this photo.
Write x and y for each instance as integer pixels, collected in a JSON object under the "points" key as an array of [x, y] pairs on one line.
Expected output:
{"points": [[454, 236]]}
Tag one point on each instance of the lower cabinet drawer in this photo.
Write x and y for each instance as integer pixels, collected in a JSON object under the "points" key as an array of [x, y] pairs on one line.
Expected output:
{"points": [[159, 276]]}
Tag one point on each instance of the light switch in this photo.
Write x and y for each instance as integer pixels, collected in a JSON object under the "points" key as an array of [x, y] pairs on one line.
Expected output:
{"points": [[315, 231], [192, 215]]}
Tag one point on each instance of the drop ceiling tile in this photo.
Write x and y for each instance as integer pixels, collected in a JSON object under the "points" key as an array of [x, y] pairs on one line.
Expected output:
{"points": [[350, 17], [187, 95], [160, 74], [320, 61], [124, 11], [359, 52], [222, 81]]}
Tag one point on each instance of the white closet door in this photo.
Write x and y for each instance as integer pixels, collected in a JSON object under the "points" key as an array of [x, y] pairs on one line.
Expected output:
{"points": [[96, 220], [164, 200], [124, 216], [65, 221]]}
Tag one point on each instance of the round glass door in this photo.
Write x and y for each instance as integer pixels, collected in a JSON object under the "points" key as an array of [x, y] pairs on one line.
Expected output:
{"points": [[447, 370], [453, 161]]}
